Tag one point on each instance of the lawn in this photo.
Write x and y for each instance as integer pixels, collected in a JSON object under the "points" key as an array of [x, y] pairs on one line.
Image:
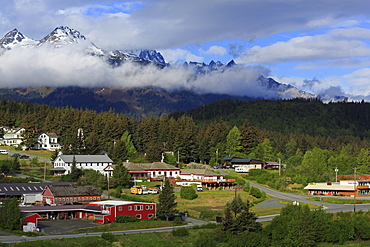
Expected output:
{"points": [[145, 224], [163, 239], [214, 200], [339, 200]]}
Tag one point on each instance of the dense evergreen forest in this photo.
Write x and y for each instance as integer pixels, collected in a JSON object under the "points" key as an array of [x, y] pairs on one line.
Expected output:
{"points": [[310, 137]]}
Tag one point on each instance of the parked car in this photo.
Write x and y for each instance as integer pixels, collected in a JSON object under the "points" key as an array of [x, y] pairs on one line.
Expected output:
{"points": [[23, 156], [16, 155], [158, 186], [3, 151], [153, 191]]}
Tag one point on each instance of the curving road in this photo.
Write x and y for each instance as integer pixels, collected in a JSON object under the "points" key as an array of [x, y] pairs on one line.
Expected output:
{"points": [[328, 207]]}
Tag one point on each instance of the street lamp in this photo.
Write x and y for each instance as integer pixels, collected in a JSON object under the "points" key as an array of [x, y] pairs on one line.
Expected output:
{"points": [[336, 174]]}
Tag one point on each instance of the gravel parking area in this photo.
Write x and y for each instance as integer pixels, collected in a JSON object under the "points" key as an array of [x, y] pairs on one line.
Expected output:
{"points": [[60, 227]]}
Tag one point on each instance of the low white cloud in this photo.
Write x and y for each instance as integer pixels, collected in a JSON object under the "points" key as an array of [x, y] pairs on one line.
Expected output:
{"points": [[177, 55], [70, 66], [215, 50]]}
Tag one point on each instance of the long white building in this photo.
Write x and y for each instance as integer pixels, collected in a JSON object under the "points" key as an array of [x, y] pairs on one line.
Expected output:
{"points": [[101, 163]]}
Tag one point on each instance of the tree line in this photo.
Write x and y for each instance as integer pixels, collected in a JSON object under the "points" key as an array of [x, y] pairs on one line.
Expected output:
{"points": [[297, 225], [310, 137]]}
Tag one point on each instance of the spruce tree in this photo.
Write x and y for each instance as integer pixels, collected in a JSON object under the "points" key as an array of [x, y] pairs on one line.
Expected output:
{"points": [[10, 214], [76, 173], [166, 202], [121, 176]]}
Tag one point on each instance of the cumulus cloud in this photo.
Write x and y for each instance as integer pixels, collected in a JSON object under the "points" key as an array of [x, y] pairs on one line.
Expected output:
{"points": [[166, 24], [337, 45], [180, 55], [216, 50]]}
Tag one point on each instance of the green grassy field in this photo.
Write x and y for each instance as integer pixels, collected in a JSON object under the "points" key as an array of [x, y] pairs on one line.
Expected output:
{"points": [[339, 200], [162, 239]]}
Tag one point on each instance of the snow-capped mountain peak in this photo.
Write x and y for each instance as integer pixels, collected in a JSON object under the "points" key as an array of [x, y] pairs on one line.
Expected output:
{"points": [[13, 38], [63, 35]]}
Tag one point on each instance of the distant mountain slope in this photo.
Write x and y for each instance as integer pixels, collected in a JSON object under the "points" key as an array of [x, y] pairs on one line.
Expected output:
{"points": [[138, 102]]}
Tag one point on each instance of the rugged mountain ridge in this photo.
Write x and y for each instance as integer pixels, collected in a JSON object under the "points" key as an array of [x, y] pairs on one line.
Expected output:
{"points": [[146, 101]]}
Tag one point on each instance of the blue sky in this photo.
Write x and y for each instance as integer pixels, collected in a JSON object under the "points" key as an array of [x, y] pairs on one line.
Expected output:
{"points": [[320, 46]]}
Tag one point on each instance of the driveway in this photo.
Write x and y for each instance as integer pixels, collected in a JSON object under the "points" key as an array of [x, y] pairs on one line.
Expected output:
{"points": [[61, 227]]}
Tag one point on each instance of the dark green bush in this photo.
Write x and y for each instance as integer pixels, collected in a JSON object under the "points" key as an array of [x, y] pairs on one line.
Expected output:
{"points": [[209, 214], [108, 236], [126, 219], [177, 221], [180, 232], [188, 193], [247, 187], [255, 192], [209, 226]]}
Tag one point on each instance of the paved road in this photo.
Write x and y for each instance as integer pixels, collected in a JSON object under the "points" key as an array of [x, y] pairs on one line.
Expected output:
{"points": [[41, 159]]}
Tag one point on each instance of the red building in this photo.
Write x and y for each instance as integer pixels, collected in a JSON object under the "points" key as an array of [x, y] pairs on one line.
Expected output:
{"points": [[30, 218], [110, 209], [63, 194]]}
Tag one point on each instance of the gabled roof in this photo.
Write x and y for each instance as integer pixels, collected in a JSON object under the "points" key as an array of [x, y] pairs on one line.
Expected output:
{"points": [[17, 189], [229, 158], [134, 168], [203, 172], [74, 190], [53, 135], [159, 166], [245, 161], [86, 158]]}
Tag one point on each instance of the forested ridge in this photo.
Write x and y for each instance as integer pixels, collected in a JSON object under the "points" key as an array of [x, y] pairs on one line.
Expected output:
{"points": [[310, 116], [310, 137]]}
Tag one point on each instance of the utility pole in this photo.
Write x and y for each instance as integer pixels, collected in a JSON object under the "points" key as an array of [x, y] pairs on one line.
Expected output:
{"points": [[279, 167], [354, 194], [45, 171], [217, 157], [336, 174], [108, 185]]}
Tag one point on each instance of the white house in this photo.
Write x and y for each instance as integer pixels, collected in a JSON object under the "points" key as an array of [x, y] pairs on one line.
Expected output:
{"points": [[101, 163], [200, 174], [48, 141], [12, 136], [155, 170], [161, 169]]}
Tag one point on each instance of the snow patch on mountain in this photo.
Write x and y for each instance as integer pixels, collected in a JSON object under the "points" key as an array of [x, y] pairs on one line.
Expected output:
{"points": [[15, 38], [129, 68]]}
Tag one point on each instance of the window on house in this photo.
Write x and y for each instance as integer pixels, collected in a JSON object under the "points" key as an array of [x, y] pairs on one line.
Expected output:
{"points": [[150, 216], [119, 208], [138, 216], [146, 207], [129, 208], [138, 207]]}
